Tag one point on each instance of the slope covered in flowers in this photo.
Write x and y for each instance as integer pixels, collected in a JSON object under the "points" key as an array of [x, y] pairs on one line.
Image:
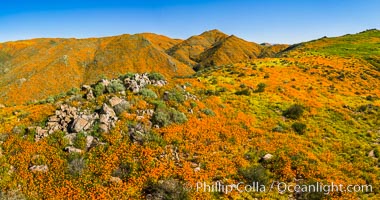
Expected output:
{"points": [[316, 112]]}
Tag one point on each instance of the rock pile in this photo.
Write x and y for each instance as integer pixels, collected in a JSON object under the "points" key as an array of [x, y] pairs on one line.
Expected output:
{"points": [[67, 119], [107, 118], [71, 120], [133, 83], [39, 168], [139, 81]]}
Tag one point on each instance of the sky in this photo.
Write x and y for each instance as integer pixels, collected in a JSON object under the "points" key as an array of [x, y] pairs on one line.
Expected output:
{"points": [[271, 21]]}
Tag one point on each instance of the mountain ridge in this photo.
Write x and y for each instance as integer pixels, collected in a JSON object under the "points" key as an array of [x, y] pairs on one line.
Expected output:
{"points": [[309, 111], [41, 67]]}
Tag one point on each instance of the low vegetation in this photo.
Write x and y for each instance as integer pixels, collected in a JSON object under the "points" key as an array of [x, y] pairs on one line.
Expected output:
{"points": [[310, 114]]}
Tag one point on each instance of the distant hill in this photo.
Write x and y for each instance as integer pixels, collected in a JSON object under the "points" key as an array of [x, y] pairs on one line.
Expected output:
{"points": [[364, 45], [216, 48], [188, 50], [229, 50], [41, 67], [38, 68]]}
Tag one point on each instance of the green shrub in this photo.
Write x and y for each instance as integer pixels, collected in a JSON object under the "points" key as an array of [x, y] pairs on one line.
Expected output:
{"points": [[156, 76], [99, 89], [255, 174], [221, 89], [96, 129], [261, 87], [57, 139], [177, 96], [208, 112], [279, 128], [76, 165], [159, 104], [127, 75], [294, 112], [193, 104], [214, 81], [50, 99], [39, 160], [124, 170], [121, 107], [115, 86], [103, 76], [245, 92], [210, 92], [298, 127], [154, 139], [80, 141], [164, 117], [166, 190], [369, 98], [19, 130], [73, 91], [161, 117], [148, 93], [362, 108], [376, 152], [177, 117]]}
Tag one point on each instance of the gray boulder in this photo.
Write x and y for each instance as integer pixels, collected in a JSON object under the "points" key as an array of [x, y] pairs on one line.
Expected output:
{"points": [[39, 168]]}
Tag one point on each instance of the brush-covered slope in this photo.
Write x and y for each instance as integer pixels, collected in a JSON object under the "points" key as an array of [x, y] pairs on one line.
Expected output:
{"points": [[228, 51], [311, 116], [161, 41], [216, 48], [364, 45], [266, 120], [35, 69], [189, 50], [133, 53], [269, 50]]}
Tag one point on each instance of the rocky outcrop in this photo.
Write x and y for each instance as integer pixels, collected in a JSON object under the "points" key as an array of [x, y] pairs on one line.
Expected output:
{"points": [[81, 124], [39, 168], [138, 132], [107, 118], [147, 112], [115, 180], [188, 96], [139, 81], [73, 150], [67, 119], [267, 157], [119, 105], [72, 120]]}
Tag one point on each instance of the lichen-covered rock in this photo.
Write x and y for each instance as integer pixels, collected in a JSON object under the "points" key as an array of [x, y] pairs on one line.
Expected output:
{"points": [[39, 168], [73, 150]]}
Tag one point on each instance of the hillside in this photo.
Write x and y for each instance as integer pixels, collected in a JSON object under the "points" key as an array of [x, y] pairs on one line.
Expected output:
{"points": [[302, 114], [40, 68], [228, 51], [272, 50], [364, 45], [216, 48], [43, 67], [189, 50]]}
